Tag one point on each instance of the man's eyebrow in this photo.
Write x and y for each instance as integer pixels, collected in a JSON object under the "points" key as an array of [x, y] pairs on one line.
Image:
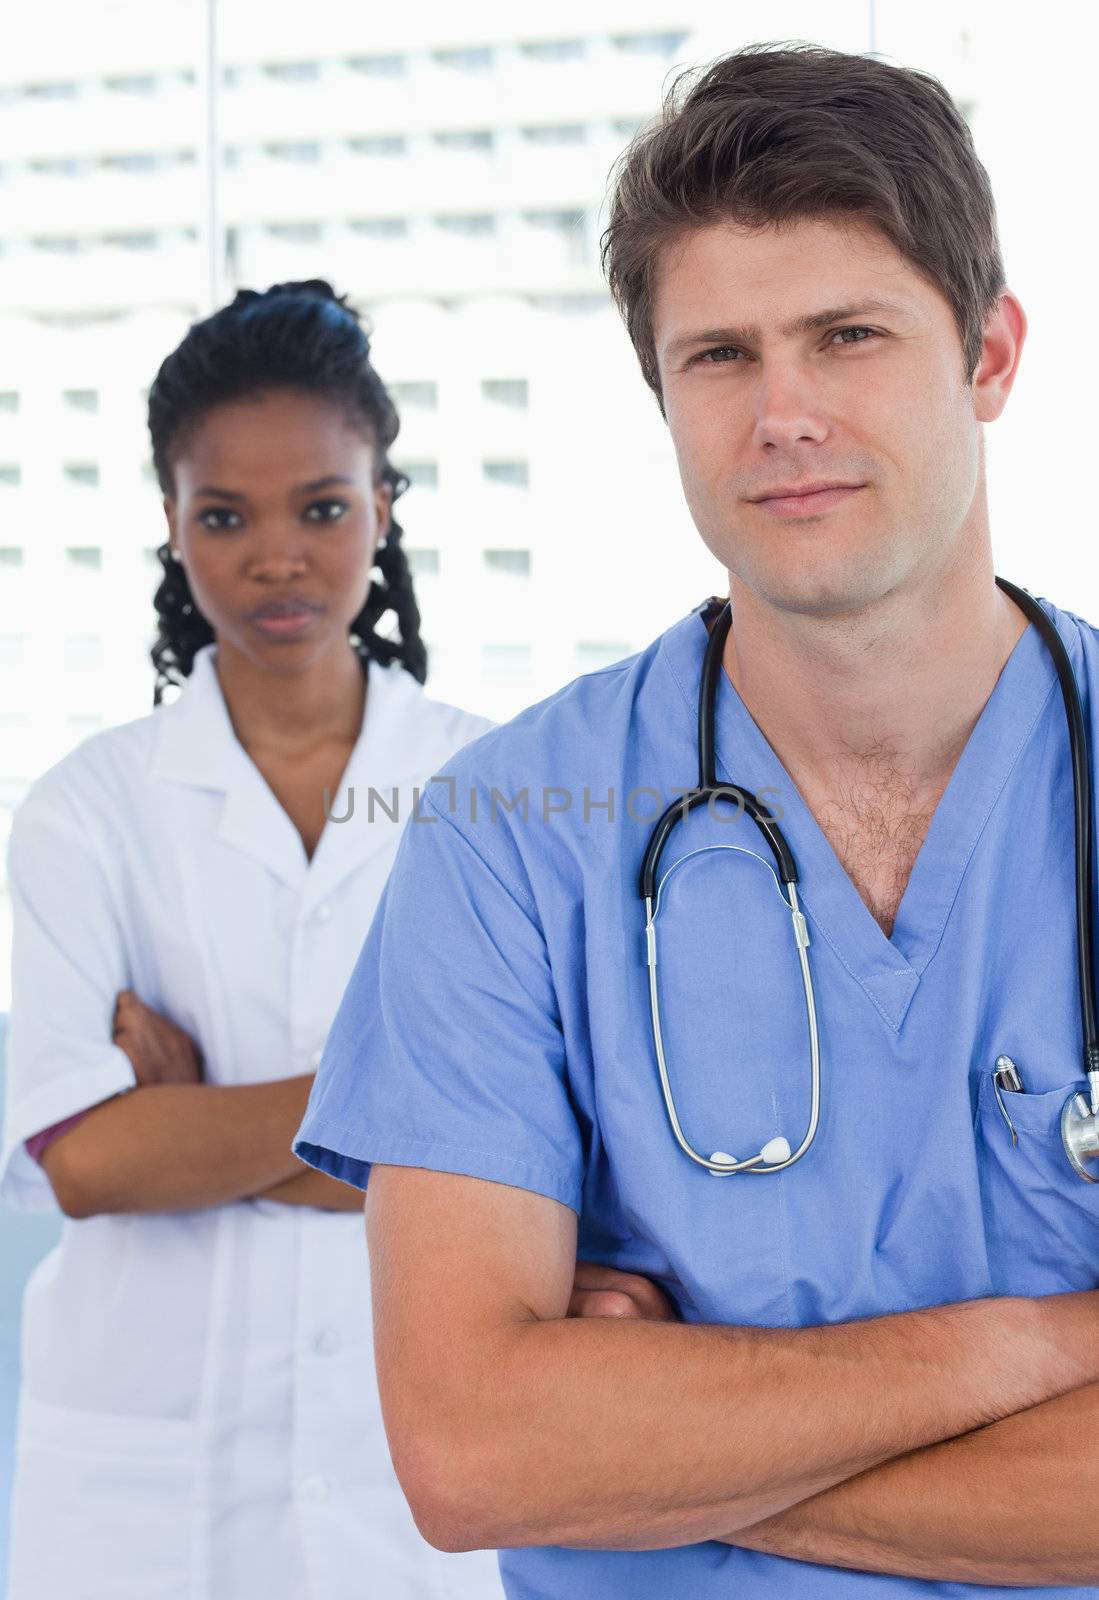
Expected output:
{"points": [[812, 322], [312, 487]]}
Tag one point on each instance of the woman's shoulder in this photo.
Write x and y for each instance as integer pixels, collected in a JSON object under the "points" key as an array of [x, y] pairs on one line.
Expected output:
{"points": [[99, 773], [437, 727]]}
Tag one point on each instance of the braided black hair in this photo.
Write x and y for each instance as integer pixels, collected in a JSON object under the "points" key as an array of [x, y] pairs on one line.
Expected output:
{"points": [[300, 336]]}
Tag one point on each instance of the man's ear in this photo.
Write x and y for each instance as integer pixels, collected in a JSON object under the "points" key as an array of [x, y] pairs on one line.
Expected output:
{"points": [[1001, 348]]}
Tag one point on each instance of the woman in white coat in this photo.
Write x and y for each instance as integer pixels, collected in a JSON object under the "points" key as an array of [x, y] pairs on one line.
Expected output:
{"points": [[198, 1418]]}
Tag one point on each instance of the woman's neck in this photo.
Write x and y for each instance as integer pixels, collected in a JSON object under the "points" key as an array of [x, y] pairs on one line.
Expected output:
{"points": [[293, 712]]}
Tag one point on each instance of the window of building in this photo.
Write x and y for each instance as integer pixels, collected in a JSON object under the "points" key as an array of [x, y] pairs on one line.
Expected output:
{"points": [[378, 144], [135, 83], [295, 232], [81, 399], [293, 71], [465, 139], [476, 58], [85, 473], [83, 652], [87, 557], [307, 152], [649, 44], [423, 563], [473, 225], [380, 227], [130, 241], [553, 49], [421, 474], [564, 222], [516, 563], [135, 161], [58, 244], [57, 167], [51, 91], [12, 648], [11, 474], [9, 400], [556, 134], [515, 473], [11, 556], [379, 66], [592, 655], [505, 660], [415, 396], [507, 392]]}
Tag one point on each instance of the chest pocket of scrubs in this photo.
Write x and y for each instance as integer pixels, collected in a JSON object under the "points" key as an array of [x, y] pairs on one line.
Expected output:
{"points": [[1041, 1219]]}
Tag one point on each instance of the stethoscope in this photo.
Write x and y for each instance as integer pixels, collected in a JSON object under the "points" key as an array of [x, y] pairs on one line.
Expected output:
{"points": [[1080, 1117]]}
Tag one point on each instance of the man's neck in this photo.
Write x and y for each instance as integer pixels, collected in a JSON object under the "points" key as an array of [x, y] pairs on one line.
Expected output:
{"points": [[893, 690]]}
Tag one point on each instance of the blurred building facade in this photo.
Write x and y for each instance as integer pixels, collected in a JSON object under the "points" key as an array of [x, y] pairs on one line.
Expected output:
{"points": [[450, 175]]}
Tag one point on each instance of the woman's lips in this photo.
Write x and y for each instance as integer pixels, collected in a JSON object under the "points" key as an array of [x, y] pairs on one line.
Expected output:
{"points": [[285, 625], [807, 505]]}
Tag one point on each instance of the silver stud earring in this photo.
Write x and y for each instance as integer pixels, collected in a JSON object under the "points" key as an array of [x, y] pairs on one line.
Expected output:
{"points": [[175, 554]]}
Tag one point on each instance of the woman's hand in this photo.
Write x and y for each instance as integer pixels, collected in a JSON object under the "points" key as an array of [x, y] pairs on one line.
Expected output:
{"points": [[158, 1050], [604, 1292]]}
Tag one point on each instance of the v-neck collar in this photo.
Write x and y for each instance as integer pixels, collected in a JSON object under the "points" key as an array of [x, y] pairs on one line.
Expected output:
{"points": [[196, 746], [888, 970]]}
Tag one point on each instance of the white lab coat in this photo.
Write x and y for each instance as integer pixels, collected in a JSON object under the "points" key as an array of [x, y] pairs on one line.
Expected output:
{"points": [[199, 1418]]}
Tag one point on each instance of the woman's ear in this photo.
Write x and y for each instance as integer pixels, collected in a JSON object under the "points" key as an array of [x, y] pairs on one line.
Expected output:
{"points": [[383, 509]]}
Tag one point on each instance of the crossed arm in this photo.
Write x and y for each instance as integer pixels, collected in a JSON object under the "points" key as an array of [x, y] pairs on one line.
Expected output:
{"points": [[1006, 1504], [898, 1444], [175, 1143]]}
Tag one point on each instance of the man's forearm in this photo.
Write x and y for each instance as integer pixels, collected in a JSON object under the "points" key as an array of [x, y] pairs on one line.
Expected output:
{"points": [[1006, 1505]]}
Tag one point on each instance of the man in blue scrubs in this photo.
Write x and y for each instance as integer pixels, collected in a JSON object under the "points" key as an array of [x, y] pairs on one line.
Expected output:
{"points": [[884, 1375]]}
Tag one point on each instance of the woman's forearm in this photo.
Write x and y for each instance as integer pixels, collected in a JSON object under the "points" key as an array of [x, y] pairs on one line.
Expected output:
{"points": [[178, 1147], [1005, 1505], [312, 1188]]}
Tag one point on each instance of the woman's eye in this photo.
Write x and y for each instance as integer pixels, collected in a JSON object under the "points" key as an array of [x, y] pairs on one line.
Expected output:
{"points": [[326, 510], [218, 518]]}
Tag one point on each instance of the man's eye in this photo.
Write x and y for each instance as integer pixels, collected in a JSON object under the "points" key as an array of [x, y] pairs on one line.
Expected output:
{"points": [[326, 510], [839, 332], [716, 357], [219, 518]]}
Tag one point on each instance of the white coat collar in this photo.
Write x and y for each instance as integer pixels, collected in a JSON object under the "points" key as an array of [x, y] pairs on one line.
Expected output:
{"points": [[398, 744]]}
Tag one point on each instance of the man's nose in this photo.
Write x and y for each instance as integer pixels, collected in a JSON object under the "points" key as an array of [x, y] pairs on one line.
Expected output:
{"points": [[788, 407]]}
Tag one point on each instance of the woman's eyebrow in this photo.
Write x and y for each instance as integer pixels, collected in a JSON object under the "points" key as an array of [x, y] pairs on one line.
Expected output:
{"points": [[312, 487], [330, 482], [219, 494]]}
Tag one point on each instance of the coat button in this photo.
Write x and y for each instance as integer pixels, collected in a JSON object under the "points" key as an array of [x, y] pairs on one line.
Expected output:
{"points": [[314, 1489], [326, 1342]]}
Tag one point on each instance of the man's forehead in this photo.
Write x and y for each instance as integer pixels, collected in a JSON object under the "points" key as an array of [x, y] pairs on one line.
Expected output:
{"points": [[782, 281]]}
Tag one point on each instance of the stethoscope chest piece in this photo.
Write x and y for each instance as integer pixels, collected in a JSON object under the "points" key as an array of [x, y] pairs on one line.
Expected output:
{"points": [[1080, 1132]]}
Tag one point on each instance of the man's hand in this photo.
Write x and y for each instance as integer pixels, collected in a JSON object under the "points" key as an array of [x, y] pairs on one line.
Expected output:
{"points": [[158, 1050], [605, 1292]]}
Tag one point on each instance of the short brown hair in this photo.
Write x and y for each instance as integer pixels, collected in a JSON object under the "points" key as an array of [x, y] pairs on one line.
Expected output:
{"points": [[775, 134]]}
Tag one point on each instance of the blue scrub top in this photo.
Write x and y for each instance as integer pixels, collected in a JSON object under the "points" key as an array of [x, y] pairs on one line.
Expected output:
{"points": [[497, 1025]]}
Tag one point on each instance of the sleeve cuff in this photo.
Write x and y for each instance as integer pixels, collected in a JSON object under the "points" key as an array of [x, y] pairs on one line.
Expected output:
{"points": [[326, 1149], [23, 1183]]}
